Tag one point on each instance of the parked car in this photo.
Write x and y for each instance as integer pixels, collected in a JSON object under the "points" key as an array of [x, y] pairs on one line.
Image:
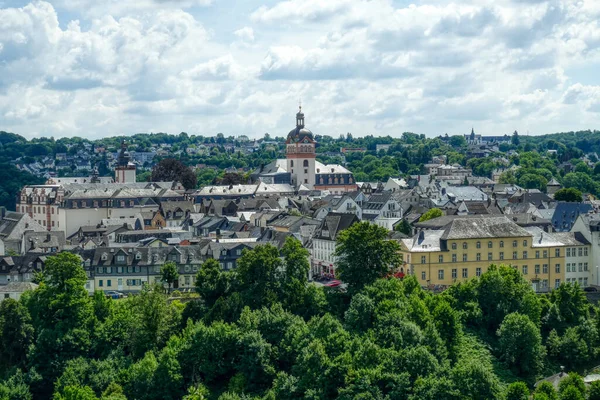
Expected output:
{"points": [[333, 283], [113, 294], [590, 289]]}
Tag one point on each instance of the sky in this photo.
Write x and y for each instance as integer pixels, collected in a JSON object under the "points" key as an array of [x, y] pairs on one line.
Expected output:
{"points": [[94, 68]]}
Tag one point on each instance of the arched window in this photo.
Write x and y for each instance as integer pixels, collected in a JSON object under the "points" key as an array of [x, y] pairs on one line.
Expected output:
{"points": [[305, 163]]}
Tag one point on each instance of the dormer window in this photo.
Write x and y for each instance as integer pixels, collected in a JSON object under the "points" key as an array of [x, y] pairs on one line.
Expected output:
{"points": [[104, 256], [138, 256], [121, 258]]}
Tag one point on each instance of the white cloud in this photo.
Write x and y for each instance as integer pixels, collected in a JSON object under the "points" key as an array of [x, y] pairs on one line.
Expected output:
{"points": [[300, 11], [245, 34], [365, 66]]}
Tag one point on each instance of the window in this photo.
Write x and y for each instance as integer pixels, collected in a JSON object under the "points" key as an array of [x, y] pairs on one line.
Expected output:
{"points": [[580, 267], [453, 257], [489, 256], [453, 246], [464, 245], [305, 164], [524, 243], [568, 252], [109, 270], [238, 252], [525, 269], [514, 243], [478, 272], [441, 259], [585, 253], [229, 265], [101, 270], [454, 273], [515, 255], [490, 244], [524, 255], [537, 254], [100, 283], [545, 269], [502, 243], [502, 255], [568, 267], [464, 257], [465, 273], [556, 283], [423, 259], [585, 266], [545, 253], [537, 269], [441, 274], [187, 280], [557, 268], [120, 258], [556, 252], [478, 257], [585, 282], [108, 283], [580, 252], [292, 163], [423, 275], [478, 245]]}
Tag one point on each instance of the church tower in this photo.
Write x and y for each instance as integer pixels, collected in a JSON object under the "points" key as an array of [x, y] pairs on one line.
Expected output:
{"points": [[125, 170], [301, 154]]}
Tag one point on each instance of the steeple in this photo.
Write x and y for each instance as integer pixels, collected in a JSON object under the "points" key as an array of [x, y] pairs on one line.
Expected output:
{"points": [[95, 178], [300, 117]]}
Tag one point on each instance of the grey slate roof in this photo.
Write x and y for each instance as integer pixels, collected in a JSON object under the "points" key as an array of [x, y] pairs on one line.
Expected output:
{"points": [[566, 214]]}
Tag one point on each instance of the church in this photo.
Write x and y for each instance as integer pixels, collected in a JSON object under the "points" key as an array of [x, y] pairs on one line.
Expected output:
{"points": [[301, 168]]}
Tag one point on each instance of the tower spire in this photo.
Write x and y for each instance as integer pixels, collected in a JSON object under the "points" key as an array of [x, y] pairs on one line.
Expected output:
{"points": [[300, 117]]}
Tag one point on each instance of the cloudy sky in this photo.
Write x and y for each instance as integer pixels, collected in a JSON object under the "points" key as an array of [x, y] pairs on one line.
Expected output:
{"points": [[100, 68]]}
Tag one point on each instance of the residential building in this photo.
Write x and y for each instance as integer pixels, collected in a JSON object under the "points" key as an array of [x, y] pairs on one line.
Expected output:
{"points": [[466, 246], [324, 242]]}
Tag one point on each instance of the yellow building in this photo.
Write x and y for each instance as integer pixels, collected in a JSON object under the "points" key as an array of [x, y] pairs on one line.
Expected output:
{"points": [[463, 247]]}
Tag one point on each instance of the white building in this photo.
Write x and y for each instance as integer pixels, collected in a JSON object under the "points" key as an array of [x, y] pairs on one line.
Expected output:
{"points": [[324, 242]]}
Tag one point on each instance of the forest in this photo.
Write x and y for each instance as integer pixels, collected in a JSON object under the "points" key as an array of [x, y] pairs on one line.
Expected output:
{"points": [[262, 331]]}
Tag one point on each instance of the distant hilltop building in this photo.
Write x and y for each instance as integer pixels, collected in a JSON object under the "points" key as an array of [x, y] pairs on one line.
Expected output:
{"points": [[473, 138], [301, 169]]}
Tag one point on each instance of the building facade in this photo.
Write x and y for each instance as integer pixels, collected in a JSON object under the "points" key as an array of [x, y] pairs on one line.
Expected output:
{"points": [[467, 246]]}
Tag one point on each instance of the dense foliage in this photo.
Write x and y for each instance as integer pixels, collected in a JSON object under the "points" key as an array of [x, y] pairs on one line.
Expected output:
{"points": [[262, 332]]}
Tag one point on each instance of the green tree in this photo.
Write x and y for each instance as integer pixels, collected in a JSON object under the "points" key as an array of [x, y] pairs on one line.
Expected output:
{"points": [[546, 389], [76, 393], [169, 273], [515, 140], [404, 227], [170, 169], [365, 254], [521, 344], [16, 334], [295, 275], [257, 275], [63, 317], [211, 282], [431, 214], [568, 194], [517, 391], [594, 391], [572, 387]]}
